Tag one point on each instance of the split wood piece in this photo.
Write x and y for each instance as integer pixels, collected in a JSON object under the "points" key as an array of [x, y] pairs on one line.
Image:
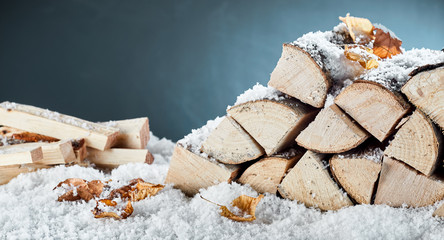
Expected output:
{"points": [[400, 184], [9, 172], [134, 133], [299, 76], [55, 153], [24, 136], [417, 143], [115, 157], [426, 91], [332, 131], [45, 122], [309, 182], [273, 124], [80, 150], [190, 172], [266, 174], [439, 212], [229, 143], [20, 154], [374, 107], [357, 174]]}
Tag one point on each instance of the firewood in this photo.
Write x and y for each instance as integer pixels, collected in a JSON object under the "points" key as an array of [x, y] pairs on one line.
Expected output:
{"points": [[417, 143], [309, 182], [20, 154], [80, 150], [401, 185], [357, 172], [266, 174], [374, 107], [45, 122], [332, 131], [55, 153], [299, 76], [133, 133], [273, 124], [9, 172], [190, 172], [425, 90], [115, 157], [229, 143], [439, 212], [24, 136]]}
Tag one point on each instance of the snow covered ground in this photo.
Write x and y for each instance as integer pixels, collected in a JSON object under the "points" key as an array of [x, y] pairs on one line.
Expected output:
{"points": [[29, 210]]}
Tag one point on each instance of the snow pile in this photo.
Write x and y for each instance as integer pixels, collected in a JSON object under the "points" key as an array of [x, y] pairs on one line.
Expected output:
{"points": [[259, 92]]}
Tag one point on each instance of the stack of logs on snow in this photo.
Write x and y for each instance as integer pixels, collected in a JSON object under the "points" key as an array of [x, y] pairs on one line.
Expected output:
{"points": [[371, 142], [34, 138]]}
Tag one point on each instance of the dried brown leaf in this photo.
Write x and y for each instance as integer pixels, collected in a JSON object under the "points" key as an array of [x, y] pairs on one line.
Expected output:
{"points": [[360, 29], [137, 190], [79, 189], [364, 57], [109, 208], [385, 45], [245, 207]]}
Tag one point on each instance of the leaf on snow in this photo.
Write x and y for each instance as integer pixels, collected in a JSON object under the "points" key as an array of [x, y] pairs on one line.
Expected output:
{"points": [[109, 208], [385, 45], [360, 29], [362, 55], [244, 208], [137, 190], [78, 189]]}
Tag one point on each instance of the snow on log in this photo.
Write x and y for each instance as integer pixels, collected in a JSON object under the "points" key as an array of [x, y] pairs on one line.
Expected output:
{"points": [[190, 172], [9, 172], [401, 185], [273, 124], [20, 154], [133, 133], [332, 131], [230, 143], [53, 124], [374, 107], [309, 182], [417, 143], [266, 174], [299, 76], [425, 90], [357, 172], [115, 157]]}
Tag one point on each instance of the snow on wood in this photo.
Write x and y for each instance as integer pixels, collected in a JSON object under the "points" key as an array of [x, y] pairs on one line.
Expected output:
{"points": [[230, 143], [133, 133], [374, 107], [418, 143], [332, 131], [114, 157], [20, 154], [400, 185], [309, 182], [53, 124], [273, 124]]}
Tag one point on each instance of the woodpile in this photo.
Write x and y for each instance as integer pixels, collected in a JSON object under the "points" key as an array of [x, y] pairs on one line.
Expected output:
{"points": [[326, 137], [33, 138]]}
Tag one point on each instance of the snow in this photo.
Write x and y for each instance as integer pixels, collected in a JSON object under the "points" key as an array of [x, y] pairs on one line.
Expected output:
{"points": [[385, 29], [259, 92], [30, 211], [371, 153]]}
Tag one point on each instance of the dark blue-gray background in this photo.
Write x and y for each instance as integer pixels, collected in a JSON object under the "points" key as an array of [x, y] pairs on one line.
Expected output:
{"points": [[178, 62]]}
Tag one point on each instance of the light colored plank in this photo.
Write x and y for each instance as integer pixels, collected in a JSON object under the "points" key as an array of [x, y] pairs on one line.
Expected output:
{"points": [[115, 157], [20, 154], [48, 123], [9, 172], [20, 136], [134, 133]]}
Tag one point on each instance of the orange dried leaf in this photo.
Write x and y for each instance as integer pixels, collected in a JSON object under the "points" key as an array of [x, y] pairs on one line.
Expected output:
{"points": [[364, 57], [78, 189], [385, 45], [137, 190], [109, 208], [245, 207], [359, 27]]}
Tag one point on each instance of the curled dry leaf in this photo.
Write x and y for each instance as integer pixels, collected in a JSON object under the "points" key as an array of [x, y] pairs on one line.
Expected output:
{"points": [[386, 45], [78, 189], [360, 29], [137, 190], [244, 208], [362, 55], [109, 208]]}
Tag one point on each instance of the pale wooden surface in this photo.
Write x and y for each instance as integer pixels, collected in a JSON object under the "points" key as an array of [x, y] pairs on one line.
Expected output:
{"points": [[310, 183], [9, 172], [332, 131], [133, 133], [190, 172], [418, 143], [373, 106], [80, 150], [18, 136], [439, 212], [56, 153], [299, 76], [400, 184], [230, 143], [33, 119], [266, 174], [426, 91], [357, 175], [20, 154], [273, 124], [115, 157]]}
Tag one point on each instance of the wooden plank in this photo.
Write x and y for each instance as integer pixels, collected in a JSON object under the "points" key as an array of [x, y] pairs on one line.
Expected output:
{"points": [[7, 173], [229, 143], [134, 133], [190, 172], [24, 136], [80, 150], [115, 157], [20, 154], [400, 185], [310, 183], [53, 124]]}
